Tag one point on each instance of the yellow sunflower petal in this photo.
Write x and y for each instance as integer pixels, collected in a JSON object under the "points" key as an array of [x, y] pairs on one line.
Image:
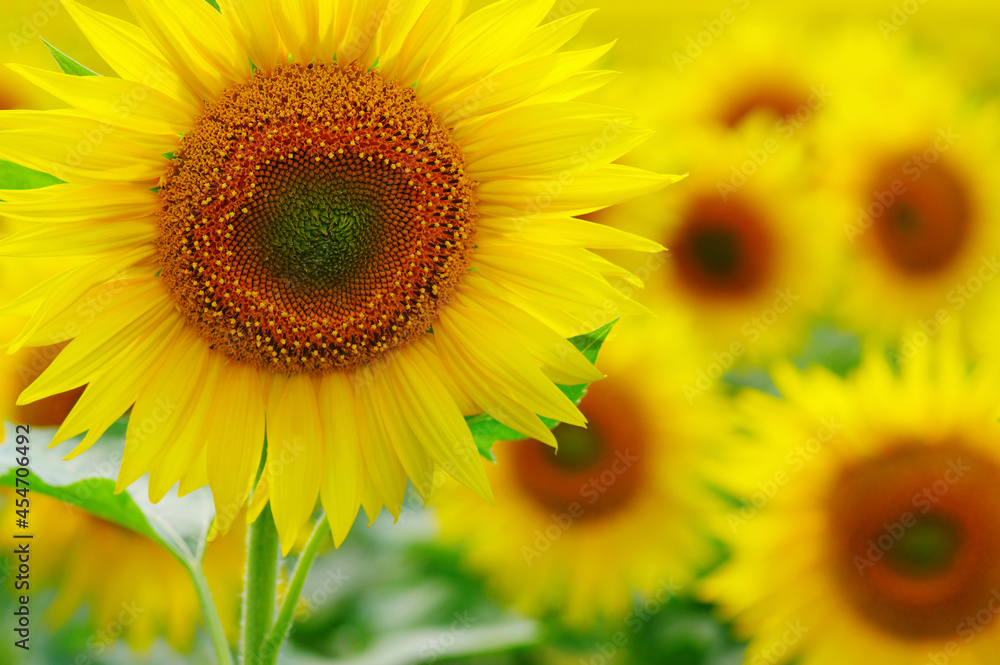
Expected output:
{"points": [[542, 139], [455, 65], [77, 203], [515, 84], [162, 412], [176, 460], [417, 464], [387, 476], [437, 423], [235, 438], [499, 353], [252, 25], [294, 456], [194, 39], [83, 152], [538, 200], [344, 473], [89, 353], [130, 52], [71, 238], [129, 104], [111, 394], [58, 293], [423, 38], [396, 26]]}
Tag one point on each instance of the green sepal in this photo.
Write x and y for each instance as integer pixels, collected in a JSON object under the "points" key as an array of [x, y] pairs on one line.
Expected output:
{"points": [[15, 176], [67, 64]]}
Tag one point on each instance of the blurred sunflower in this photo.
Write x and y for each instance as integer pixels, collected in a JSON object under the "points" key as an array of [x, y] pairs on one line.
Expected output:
{"points": [[916, 163], [616, 511], [367, 240], [871, 529], [717, 75], [130, 604], [752, 248]]}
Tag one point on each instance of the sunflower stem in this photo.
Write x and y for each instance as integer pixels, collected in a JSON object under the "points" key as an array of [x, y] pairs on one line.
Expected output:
{"points": [[272, 645], [260, 588], [213, 624]]}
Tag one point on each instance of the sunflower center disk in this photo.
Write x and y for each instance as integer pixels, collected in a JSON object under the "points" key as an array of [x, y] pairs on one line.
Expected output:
{"points": [[781, 100], [922, 219], [597, 471], [722, 250], [916, 538], [315, 218]]}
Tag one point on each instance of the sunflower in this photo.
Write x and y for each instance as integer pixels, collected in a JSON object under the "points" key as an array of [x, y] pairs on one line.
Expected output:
{"points": [[870, 529], [130, 604], [742, 268], [915, 162], [615, 511], [355, 217]]}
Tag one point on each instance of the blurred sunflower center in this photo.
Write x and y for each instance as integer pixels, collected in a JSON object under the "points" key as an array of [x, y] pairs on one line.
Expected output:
{"points": [[315, 218], [777, 99], [922, 218], [916, 537], [722, 249], [51, 411], [596, 470]]}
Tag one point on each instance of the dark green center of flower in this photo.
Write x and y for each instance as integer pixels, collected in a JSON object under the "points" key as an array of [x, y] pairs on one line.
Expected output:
{"points": [[324, 232], [717, 250], [722, 249], [927, 548], [596, 471], [915, 537], [922, 216], [579, 447]]}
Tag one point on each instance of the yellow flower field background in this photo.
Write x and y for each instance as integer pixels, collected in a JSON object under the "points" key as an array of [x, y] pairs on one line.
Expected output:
{"points": [[791, 450]]}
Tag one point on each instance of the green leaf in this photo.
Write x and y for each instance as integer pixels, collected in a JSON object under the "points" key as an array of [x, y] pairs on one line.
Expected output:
{"points": [[83, 483], [96, 496], [67, 64], [15, 176], [487, 431], [73, 482]]}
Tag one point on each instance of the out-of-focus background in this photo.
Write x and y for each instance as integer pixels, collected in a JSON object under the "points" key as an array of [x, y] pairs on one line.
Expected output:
{"points": [[842, 194]]}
